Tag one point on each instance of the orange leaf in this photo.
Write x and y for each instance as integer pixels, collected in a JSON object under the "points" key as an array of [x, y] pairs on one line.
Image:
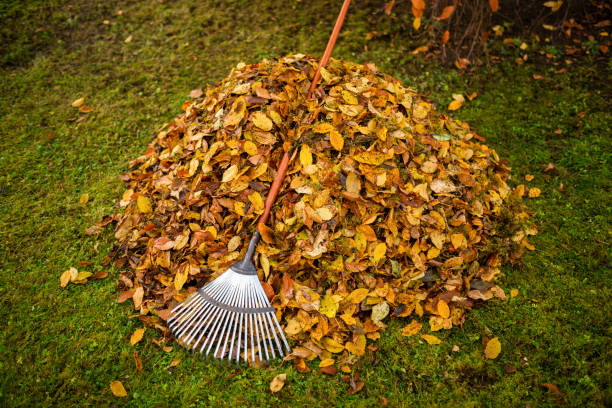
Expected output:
{"points": [[389, 6], [454, 105], [446, 13], [137, 361], [445, 37], [494, 5], [136, 336]]}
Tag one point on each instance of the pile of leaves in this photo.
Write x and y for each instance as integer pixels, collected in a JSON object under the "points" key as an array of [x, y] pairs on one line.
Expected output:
{"points": [[388, 210]]}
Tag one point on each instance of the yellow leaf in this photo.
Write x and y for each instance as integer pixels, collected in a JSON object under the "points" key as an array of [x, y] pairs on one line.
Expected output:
{"points": [[262, 121], [74, 274], [65, 278], [358, 295], [175, 362], [265, 265], [144, 204], [212, 230], [458, 240], [180, 278], [454, 105], [534, 192], [84, 198], [514, 293], [78, 102], [328, 306], [443, 309], [332, 345], [233, 243], [416, 23], [250, 148], [493, 348], [278, 382], [413, 328], [379, 252], [336, 140], [348, 319], [323, 127], [325, 213], [81, 276], [528, 177], [327, 362], [431, 339], [230, 174], [136, 336], [305, 156], [349, 98], [345, 369], [358, 347], [353, 183], [117, 389]]}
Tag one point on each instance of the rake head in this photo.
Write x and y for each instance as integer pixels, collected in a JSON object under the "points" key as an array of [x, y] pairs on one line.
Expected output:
{"points": [[230, 318]]}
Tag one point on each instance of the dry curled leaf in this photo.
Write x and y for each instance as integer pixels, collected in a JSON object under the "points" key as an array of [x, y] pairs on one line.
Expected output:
{"points": [[136, 336]]}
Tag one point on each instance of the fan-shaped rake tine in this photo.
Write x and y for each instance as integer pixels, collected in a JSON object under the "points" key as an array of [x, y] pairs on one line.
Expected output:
{"points": [[232, 329], [189, 309], [195, 327], [180, 330], [180, 315], [250, 304], [259, 319], [201, 317], [214, 318], [214, 330], [181, 307], [268, 324], [185, 320], [255, 322], [224, 325]]}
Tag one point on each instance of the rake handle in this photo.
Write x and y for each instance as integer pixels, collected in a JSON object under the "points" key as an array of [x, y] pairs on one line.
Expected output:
{"points": [[330, 45], [280, 175]]}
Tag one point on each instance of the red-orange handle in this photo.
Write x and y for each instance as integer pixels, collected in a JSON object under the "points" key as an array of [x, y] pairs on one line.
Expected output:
{"points": [[280, 175], [330, 45]]}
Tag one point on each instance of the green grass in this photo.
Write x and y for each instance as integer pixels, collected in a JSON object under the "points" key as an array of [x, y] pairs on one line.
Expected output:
{"points": [[63, 347]]}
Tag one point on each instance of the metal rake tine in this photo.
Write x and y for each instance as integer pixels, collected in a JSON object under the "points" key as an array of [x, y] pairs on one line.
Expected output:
{"points": [[254, 317], [214, 317], [226, 322], [233, 325], [260, 323], [220, 313], [179, 315], [184, 327], [186, 319], [181, 307], [267, 325], [202, 316]]}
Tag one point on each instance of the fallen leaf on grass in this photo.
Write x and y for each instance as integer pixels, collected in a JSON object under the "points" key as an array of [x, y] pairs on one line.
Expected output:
{"points": [[278, 382], [136, 336], [196, 93], [175, 362], [137, 361], [84, 198], [128, 39], [431, 339], [413, 328], [78, 102], [86, 108], [514, 293], [493, 348], [117, 389], [454, 105]]}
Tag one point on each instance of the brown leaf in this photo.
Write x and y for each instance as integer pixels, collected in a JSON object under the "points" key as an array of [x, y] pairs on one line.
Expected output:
{"points": [[137, 361]]}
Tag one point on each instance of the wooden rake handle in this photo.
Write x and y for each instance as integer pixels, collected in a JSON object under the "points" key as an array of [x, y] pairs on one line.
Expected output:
{"points": [[330, 45], [280, 175], [282, 168]]}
